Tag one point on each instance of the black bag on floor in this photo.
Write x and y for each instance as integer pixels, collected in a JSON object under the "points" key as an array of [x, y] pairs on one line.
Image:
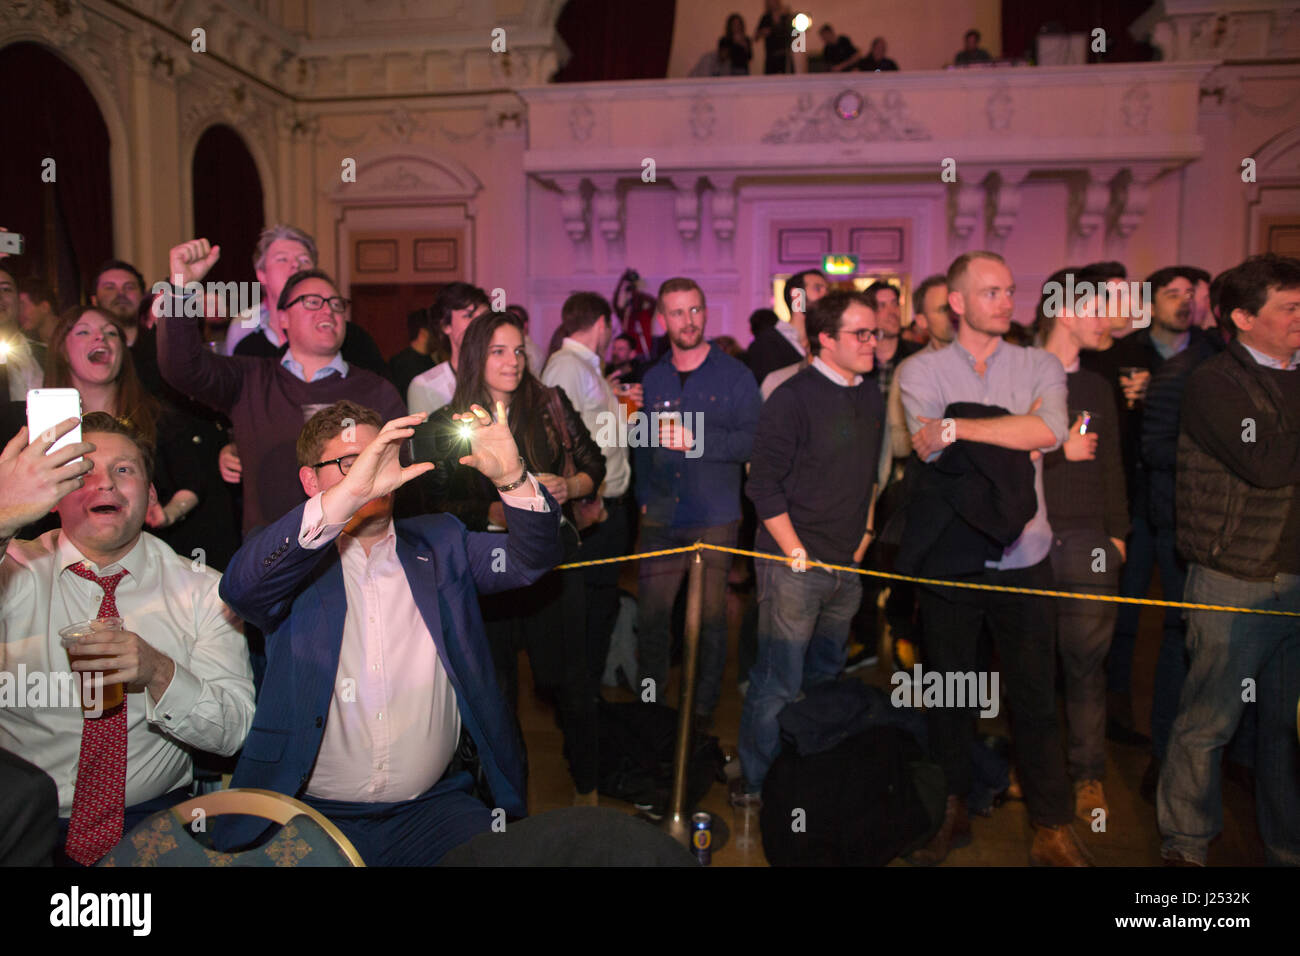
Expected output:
{"points": [[636, 756], [861, 803]]}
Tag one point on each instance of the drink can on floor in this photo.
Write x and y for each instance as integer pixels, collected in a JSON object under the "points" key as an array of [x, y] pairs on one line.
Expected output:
{"points": [[702, 837]]}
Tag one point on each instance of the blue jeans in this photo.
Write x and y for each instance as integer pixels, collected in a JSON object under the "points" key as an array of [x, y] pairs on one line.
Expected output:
{"points": [[803, 633], [1225, 649], [1147, 547]]}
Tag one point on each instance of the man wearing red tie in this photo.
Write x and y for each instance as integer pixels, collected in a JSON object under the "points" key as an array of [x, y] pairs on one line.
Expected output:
{"points": [[178, 654]]}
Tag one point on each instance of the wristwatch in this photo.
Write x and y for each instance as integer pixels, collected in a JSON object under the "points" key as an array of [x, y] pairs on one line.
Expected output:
{"points": [[515, 484]]}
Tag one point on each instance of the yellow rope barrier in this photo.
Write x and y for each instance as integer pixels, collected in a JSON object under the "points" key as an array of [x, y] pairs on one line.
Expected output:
{"points": [[969, 585]]}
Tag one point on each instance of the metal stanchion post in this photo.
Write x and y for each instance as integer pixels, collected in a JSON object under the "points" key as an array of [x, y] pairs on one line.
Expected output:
{"points": [[677, 823]]}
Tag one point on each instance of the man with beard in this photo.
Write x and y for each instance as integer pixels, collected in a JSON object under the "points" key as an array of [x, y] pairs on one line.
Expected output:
{"points": [[119, 290], [1129, 365], [703, 408]]}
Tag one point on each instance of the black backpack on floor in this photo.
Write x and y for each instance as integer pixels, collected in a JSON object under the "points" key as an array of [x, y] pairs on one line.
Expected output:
{"points": [[636, 756], [871, 797]]}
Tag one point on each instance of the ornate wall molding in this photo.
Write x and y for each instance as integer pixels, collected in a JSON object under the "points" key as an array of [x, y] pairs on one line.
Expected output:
{"points": [[406, 176], [1238, 31], [846, 117]]}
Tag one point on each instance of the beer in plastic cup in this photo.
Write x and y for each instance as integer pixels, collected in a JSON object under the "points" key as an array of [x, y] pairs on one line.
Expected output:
{"points": [[97, 697]]}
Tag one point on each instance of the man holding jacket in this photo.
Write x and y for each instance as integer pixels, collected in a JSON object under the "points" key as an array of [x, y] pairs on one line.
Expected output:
{"points": [[979, 368]]}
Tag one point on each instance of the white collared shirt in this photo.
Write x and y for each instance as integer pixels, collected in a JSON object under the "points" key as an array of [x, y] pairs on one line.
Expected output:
{"points": [[576, 369], [833, 375], [393, 721], [172, 604], [431, 390]]}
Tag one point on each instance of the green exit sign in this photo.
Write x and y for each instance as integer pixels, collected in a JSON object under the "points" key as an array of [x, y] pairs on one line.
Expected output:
{"points": [[840, 265]]}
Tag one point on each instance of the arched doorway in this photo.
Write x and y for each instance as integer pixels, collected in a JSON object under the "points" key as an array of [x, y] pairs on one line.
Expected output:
{"points": [[228, 203], [50, 114]]}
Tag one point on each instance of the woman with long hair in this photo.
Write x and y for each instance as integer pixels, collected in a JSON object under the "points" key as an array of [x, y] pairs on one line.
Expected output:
{"points": [[88, 352], [735, 49], [549, 617]]}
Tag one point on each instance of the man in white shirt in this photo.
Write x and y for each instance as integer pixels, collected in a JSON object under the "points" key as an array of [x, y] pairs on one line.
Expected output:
{"points": [[179, 653], [576, 367], [454, 308], [376, 655]]}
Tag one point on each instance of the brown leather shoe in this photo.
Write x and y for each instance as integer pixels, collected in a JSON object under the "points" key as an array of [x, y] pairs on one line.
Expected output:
{"points": [[1058, 846], [954, 832]]}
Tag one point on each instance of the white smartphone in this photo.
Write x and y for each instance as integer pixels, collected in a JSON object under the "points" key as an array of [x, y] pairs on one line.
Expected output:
{"points": [[11, 243], [46, 407]]}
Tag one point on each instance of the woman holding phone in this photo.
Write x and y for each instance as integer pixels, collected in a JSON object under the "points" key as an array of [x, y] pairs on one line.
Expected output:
{"points": [[549, 617], [88, 352]]}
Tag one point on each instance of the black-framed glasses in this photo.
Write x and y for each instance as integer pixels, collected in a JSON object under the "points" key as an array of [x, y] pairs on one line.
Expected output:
{"points": [[314, 303], [345, 463], [862, 335]]}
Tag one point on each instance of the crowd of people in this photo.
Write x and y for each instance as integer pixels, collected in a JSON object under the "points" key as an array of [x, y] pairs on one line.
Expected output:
{"points": [[777, 32], [386, 535]]}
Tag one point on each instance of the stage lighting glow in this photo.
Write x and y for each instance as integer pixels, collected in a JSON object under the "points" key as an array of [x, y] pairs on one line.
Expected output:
{"points": [[802, 22]]}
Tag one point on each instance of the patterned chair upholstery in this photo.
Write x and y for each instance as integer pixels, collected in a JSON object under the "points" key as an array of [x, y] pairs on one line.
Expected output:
{"points": [[306, 838]]}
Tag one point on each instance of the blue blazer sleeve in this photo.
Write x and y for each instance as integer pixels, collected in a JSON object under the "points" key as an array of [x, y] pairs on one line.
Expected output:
{"points": [[266, 572], [532, 546]]}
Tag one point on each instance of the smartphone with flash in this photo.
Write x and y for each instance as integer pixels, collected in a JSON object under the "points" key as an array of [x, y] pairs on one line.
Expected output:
{"points": [[47, 407]]}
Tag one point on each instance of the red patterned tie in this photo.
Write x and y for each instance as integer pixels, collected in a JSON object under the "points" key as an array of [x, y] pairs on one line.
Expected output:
{"points": [[99, 799]]}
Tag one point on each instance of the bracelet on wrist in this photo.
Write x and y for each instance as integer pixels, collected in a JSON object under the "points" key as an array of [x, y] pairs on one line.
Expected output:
{"points": [[515, 484]]}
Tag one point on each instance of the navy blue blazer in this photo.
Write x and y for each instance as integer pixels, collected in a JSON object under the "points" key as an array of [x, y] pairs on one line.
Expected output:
{"points": [[296, 597]]}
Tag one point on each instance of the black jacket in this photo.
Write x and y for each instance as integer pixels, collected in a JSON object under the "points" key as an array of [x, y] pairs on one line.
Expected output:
{"points": [[1234, 496], [463, 491], [969, 504], [770, 351]]}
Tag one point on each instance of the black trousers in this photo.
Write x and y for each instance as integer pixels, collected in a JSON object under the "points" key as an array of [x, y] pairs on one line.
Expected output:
{"points": [[608, 539], [1023, 629], [549, 619], [29, 813]]}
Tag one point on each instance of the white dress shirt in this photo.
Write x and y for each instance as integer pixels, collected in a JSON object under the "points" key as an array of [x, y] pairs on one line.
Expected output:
{"points": [[576, 369], [431, 390], [393, 721], [173, 606]]}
